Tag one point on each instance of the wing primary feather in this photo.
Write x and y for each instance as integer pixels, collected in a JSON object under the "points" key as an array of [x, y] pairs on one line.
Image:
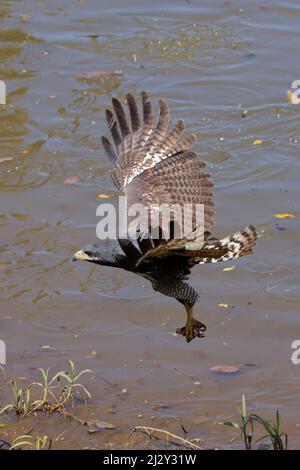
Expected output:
{"points": [[118, 109], [185, 144], [132, 253], [147, 118], [138, 143], [145, 244], [112, 125], [163, 121], [109, 149], [174, 135], [158, 135], [134, 113]]}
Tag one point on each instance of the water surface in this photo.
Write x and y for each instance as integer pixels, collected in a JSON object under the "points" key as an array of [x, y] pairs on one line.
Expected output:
{"points": [[211, 60]]}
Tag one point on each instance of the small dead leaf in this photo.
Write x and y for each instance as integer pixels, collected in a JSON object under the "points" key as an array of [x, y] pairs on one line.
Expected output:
{"points": [[224, 369], [24, 152], [284, 216], [223, 305], [6, 159], [71, 180], [92, 354], [257, 142], [230, 268], [103, 196]]}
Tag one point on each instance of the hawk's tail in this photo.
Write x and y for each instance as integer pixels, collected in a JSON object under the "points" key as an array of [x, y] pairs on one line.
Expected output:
{"points": [[239, 244]]}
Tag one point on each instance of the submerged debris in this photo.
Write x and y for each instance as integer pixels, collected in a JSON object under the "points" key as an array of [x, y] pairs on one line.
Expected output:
{"points": [[96, 426], [224, 369], [71, 180], [98, 76]]}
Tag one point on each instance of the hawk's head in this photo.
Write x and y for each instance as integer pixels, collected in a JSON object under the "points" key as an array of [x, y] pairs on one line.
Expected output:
{"points": [[107, 253]]}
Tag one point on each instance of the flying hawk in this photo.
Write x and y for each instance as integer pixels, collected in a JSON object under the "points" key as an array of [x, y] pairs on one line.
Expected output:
{"points": [[154, 165]]}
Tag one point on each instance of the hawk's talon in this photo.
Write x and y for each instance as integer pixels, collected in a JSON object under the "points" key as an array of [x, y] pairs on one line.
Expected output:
{"points": [[192, 329]]}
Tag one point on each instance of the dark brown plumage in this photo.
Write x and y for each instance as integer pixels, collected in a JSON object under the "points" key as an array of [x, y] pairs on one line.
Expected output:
{"points": [[153, 166]]}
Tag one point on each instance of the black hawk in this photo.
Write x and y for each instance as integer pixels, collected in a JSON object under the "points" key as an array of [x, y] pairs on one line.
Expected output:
{"points": [[153, 165]]}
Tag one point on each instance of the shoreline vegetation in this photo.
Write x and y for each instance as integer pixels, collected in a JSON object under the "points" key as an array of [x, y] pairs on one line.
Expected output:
{"points": [[58, 394]]}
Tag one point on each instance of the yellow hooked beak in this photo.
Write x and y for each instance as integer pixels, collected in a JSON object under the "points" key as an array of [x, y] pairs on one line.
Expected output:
{"points": [[81, 256]]}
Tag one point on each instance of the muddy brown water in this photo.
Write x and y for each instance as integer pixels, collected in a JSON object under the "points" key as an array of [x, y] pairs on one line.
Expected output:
{"points": [[211, 60]]}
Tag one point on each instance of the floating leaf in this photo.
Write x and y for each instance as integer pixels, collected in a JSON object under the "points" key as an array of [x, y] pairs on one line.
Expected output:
{"points": [[71, 180], [47, 346], [92, 354], [224, 369], [230, 268], [284, 216], [103, 196], [223, 305], [257, 142]]}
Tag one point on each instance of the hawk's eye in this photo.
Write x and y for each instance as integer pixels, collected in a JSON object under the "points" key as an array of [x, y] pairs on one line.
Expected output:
{"points": [[89, 253]]}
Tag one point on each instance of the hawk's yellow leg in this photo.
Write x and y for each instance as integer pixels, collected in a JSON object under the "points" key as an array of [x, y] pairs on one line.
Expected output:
{"points": [[193, 328]]}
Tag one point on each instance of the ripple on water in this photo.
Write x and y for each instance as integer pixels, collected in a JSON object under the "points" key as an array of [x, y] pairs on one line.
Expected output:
{"points": [[288, 290], [122, 288]]}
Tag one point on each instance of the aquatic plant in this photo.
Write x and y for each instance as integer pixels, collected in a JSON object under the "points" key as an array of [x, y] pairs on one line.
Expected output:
{"points": [[278, 439], [38, 443], [56, 392]]}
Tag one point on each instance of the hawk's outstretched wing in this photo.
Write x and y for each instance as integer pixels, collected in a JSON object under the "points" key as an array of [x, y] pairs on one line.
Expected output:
{"points": [[153, 165]]}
